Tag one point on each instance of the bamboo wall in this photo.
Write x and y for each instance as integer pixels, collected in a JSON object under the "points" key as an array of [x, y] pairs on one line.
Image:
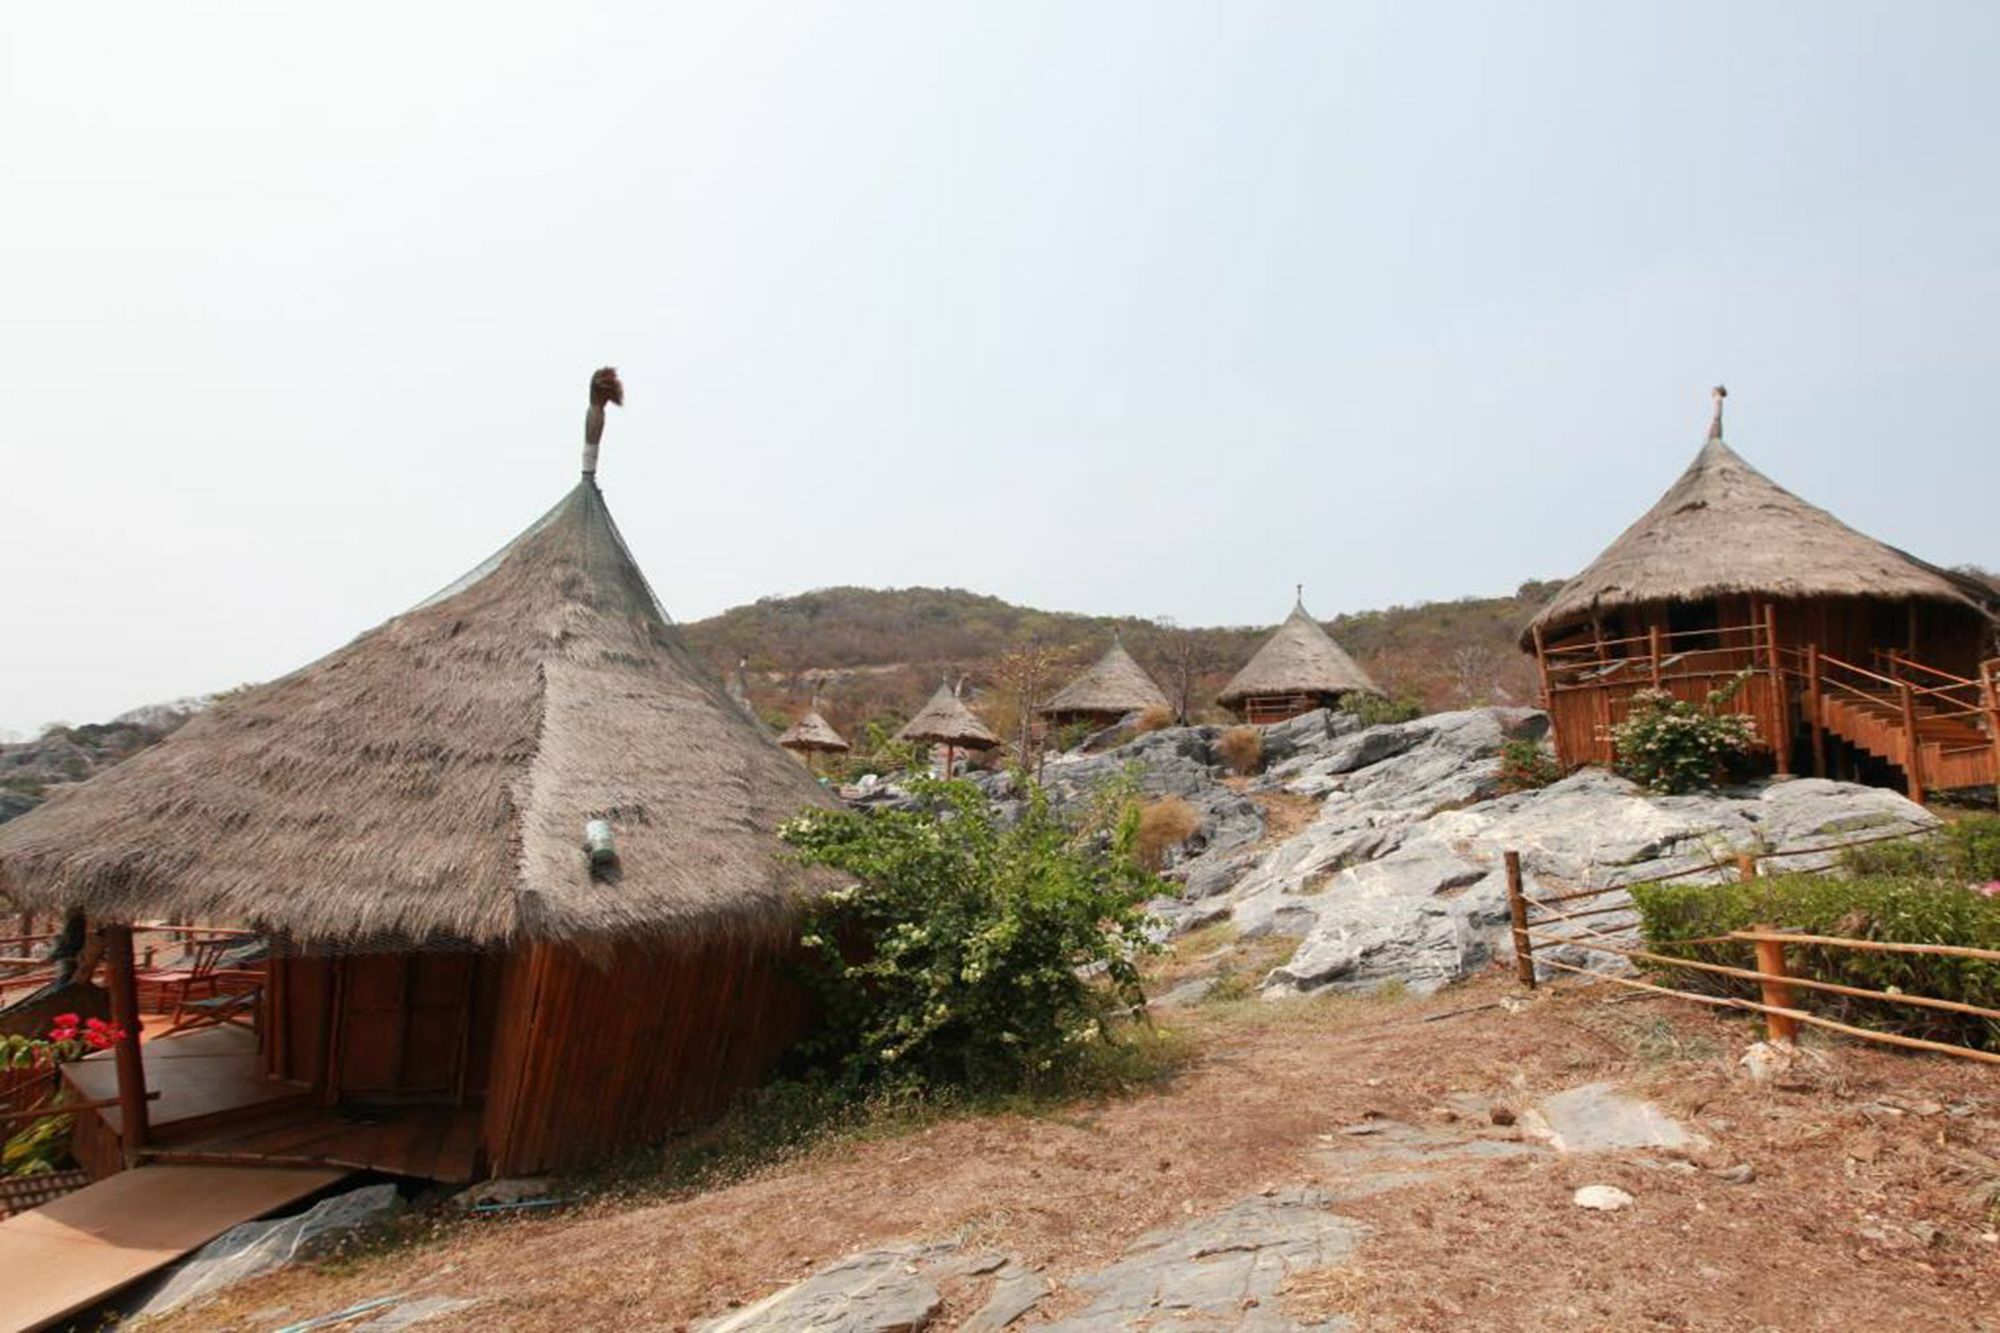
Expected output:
{"points": [[594, 1056]]}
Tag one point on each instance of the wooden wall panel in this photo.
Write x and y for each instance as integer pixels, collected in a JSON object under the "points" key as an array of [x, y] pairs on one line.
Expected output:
{"points": [[617, 1053]]}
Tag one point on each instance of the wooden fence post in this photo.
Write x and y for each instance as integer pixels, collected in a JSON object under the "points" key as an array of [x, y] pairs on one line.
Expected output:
{"points": [[1913, 745], [1517, 907], [1992, 691], [1781, 701], [1816, 718], [131, 1068], [1746, 865], [1653, 650], [1771, 962]]}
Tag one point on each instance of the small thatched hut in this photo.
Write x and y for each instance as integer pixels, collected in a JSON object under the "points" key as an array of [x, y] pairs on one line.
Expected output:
{"points": [[514, 850], [811, 735], [946, 721], [1298, 669], [1851, 646], [1114, 687]]}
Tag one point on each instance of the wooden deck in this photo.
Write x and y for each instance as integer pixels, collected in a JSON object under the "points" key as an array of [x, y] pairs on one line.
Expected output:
{"points": [[67, 1255], [216, 1107]]}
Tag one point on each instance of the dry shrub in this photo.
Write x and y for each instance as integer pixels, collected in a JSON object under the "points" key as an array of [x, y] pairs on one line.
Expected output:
{"points": [[1242, 749], [1164, 823], [1155, 719]]}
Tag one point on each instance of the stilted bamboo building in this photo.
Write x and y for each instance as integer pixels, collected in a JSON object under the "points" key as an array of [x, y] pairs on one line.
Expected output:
{"points": [[1298, 669], [946, 721], [1856, 658], [1114, 687], [515, 855]]}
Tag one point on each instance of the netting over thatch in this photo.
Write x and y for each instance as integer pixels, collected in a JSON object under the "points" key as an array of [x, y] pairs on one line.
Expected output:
{"points": [[945, 720], [1114, 685], [431, 780], [812, 732], [1300, 658], [1725, 528]]}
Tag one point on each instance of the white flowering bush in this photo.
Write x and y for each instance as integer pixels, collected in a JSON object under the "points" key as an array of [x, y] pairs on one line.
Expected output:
{"points": [[1672, 745], [968, 953]]}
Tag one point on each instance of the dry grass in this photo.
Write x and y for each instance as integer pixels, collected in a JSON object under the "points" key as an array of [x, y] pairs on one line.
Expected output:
{"points": [[1488, 1243], [1156, 718], [1242, 748], [1164, 824]]}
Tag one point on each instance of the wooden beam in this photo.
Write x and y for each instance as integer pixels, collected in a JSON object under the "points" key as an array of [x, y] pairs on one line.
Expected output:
{"points": [[1517, 907], [1816, 715], [131, 1067], [1782, 742], [1913, 745]]}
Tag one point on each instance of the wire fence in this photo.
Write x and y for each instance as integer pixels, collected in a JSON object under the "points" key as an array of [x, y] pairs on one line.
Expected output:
{"points": [[1542, 920]]}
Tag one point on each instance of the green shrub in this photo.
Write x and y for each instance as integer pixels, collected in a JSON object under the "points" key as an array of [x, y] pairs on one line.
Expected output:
{"points": [[1671, 745], [1966, 851], [1910, 911], [1372, 710], [969, 954], [1525, 765]]}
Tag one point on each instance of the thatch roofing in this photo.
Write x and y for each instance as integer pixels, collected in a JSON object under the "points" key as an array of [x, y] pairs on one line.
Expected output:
{"points": [[812, 732], [429, 783], [1299, 658], [945, 720], [1114, 684], [1725, 528]]}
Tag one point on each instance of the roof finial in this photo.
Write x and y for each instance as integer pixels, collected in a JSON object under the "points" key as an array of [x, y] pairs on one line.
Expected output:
{"points": [[604, 388], [1715, 426], [1298, 594]]}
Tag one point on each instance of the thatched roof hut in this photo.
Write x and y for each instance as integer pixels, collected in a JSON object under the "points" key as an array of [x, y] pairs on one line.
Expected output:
{"points": [[432, 779], [1298, 669], [1724, 528], [1732, 584], [945, 720], [812, 734], [1113, 687], [516, 850]]}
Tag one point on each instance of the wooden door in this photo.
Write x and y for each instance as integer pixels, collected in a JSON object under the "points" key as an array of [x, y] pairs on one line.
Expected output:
{"points": [[412, 1027]]}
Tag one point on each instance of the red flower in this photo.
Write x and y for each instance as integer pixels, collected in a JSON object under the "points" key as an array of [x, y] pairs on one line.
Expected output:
{"points": [[67, 1020]]}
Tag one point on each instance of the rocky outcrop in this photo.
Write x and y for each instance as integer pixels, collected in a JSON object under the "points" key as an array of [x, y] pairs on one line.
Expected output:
{"points": [[1399, 877]]}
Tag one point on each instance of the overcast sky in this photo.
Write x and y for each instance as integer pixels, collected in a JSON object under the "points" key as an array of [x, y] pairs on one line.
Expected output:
{"points": [[1147, 307]]}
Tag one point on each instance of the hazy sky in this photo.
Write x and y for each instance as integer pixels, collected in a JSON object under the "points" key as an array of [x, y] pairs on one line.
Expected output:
{"points": [[1149, 308]]}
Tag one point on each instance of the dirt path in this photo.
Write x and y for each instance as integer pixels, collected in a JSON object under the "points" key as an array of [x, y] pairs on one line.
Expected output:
{"points": [[1864, 1210]]}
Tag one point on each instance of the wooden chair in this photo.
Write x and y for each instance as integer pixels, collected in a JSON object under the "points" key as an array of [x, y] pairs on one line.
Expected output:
{"points": [[165, 990], [233, 995]]}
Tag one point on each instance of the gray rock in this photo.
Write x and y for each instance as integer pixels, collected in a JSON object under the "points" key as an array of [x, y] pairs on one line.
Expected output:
{"points": [[876, 1291], [1602, 1198], [1218, 1272], [256, 1248], [1596, 1117], [1016, 1290]]}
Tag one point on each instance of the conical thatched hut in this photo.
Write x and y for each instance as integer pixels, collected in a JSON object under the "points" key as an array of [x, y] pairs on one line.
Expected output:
{"points": [[811, 735], [946, 721], [1729, 573], [1298, 669], [514, 850], [1114, 687]]}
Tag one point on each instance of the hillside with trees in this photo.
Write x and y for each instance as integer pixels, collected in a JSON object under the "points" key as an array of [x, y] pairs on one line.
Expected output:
{"points": [[872, 655]]}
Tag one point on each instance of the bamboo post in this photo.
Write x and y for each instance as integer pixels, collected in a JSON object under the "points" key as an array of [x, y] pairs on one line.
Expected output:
{"points": [[1653, 648], [1991, 689], [131, 1068], [1777, 995], [1746, 866], [1782, 742], [1816, 721], [948, 757], [1517, 907], [1913, 747]]}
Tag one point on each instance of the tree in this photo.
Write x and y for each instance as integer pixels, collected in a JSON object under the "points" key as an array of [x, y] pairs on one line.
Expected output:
{"points": [[1027, 674]]}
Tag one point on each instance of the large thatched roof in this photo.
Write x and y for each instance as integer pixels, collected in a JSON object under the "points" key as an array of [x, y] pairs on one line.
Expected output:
{"points": [[1725, 528], [430, 781], [1300, 658], [945, 720], [812, 732], [1115, 684]]}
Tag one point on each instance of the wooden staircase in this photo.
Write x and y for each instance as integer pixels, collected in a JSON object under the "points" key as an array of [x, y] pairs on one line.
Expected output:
{"points": [[1943, 737]]}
